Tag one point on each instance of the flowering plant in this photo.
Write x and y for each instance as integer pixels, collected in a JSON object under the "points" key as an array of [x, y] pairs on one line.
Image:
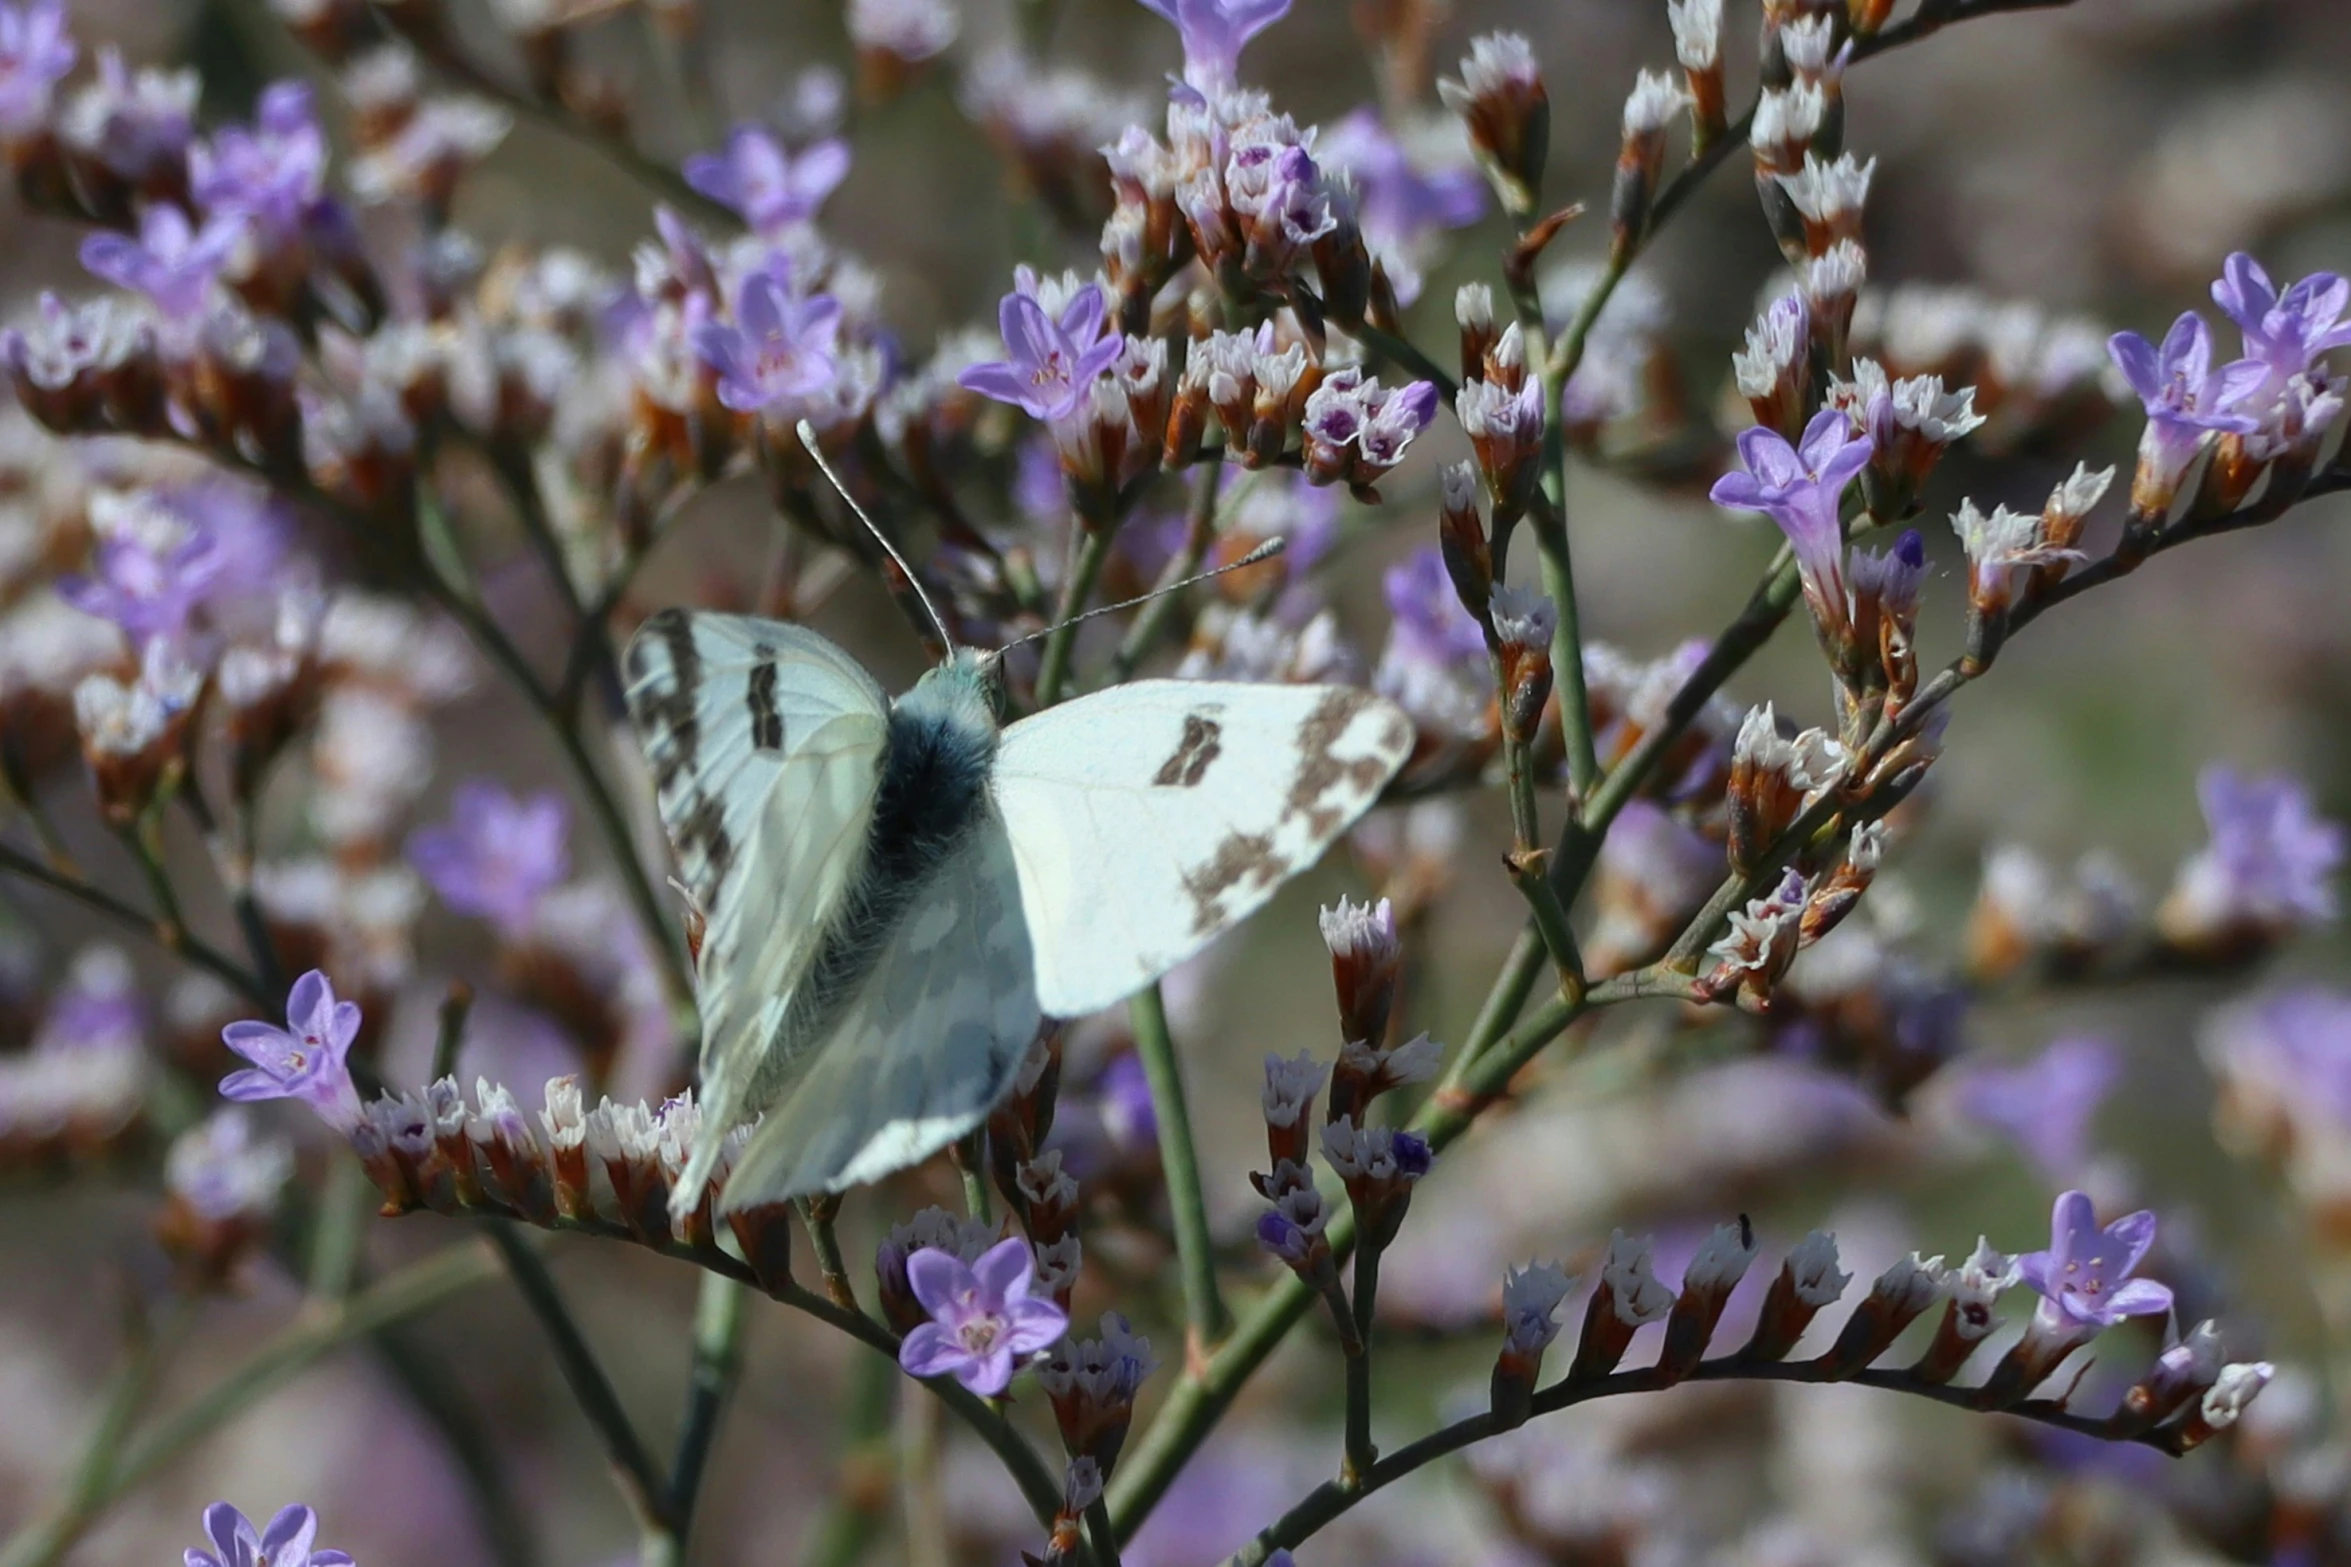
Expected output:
{"points": [[299, 461]]}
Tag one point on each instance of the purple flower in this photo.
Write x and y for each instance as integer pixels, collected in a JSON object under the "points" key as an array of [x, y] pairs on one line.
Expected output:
{"points": [[496, 856], [2084, 1278], [2284, 333], [779, 346], [1800, 488], [285, 1543], [1429, 623], [982, 1319], [1396, 200], [151, 593], [35, 53], [2046, 1104], [1054, 361], [137, 123], [1214, 32], [770, 188], [223, 1172], [304, 1060], [171, 262], [2272, 858], [273, 173], [2185, 397]]}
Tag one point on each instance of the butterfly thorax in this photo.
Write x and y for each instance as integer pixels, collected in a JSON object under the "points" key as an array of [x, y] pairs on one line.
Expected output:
{"points": [[931, 793]]}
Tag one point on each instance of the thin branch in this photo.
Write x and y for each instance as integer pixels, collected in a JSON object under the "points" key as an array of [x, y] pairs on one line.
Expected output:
{"points": [[1327, 1502], [1061, 643], [718, 1361], [632, 1463], [203, 955]]}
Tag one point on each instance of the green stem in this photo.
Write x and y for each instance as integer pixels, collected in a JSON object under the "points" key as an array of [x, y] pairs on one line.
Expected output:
{"points": [[1360, 1454], [206, 957], [1179, 1162], [336, 1229], [817, 1218], [718, 1361], [1061, 642], [633, 1470], [853, 1520]]}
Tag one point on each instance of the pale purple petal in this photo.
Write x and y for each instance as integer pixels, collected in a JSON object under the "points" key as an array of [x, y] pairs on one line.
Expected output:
{"points": [[2139, 1298], [938, 1279], [931, 1351], [1003, 1271], [989, 1374], [2135, 1232]]}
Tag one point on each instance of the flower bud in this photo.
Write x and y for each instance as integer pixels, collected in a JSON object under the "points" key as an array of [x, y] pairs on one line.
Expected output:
{"points": [[1461, 539], [1473, 312], [1523, 625], [1655, 103], [1697, 45], [1808, 1280], [1500, 98], [2182, 1372], [1971, 1290], [1628, 1298], [1365, 955], [1505, 428], [2237, 1386], [1531, 1298], [1379, 1166], [1897, 1298], [1288, 1102], [1774, 371], [1721, 1262]]}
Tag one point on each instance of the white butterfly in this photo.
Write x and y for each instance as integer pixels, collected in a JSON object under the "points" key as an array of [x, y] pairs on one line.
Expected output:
{"points": [[896, 893]]}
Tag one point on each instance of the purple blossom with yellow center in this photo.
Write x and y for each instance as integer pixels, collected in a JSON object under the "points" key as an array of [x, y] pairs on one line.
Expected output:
{"points": [[2084, 1278], [172, 262], [1054, 360], [770, 187], [2186, 397], [2046, 1104], [152, 594], [1801, 487], [285, 1542], [2285, 333], [983, 1320], [272, 173], [779, 347], [2272, 858], [1214, 33], [305, 1060], [497, 856], [36, 52]]}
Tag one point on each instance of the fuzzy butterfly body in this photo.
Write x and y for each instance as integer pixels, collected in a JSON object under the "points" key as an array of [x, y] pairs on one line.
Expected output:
{"points": [[897, 893]]}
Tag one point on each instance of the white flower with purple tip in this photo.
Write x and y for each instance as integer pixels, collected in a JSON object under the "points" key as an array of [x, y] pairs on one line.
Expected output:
{"points": [[305, 1060], [2084, 1278], [983, 1319]]}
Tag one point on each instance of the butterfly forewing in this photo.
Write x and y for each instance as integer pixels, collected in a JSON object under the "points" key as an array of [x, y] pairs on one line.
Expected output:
{"points": [[722, 703], [924, 1046], [1147, 819]]}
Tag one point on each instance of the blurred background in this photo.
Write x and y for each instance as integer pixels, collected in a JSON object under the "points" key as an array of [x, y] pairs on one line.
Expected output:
{"points": [[2098, 161]]}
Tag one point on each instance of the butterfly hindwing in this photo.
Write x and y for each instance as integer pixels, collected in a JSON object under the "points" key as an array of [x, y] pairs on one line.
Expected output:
{"points": [[922, 1048], [765, 742], [1147, 819]]}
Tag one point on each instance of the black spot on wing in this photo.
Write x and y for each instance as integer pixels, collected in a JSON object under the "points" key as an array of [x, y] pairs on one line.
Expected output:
{"points": [[767, 724], [1201, 744], [1321, 770], [662, 704], [1244, 861]]}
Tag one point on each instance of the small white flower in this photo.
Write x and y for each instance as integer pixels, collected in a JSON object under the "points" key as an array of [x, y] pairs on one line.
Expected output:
{"points": [[1697, 32], [2237, 1386], [1654, 103], [1632, 1284], [1812, 1269], [1531, 1297], [1721, 1261]]}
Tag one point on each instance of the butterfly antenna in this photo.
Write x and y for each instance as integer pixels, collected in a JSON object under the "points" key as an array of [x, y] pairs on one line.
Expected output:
{"points": [[807, 435], [1264, 552]]}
